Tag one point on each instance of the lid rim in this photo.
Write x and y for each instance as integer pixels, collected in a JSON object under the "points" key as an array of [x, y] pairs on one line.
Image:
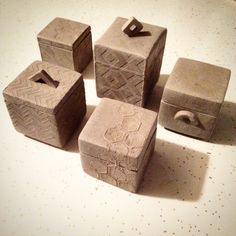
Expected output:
{"points": [[176, 97], [61, 45]]}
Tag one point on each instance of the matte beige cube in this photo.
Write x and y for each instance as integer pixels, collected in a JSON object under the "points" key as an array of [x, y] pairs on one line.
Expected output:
{"points": [[117, 142], [192, 98], [66, 43], [46, 102], [127, 68]]}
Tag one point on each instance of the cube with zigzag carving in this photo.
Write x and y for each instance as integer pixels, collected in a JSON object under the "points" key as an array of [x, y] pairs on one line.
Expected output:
{"points": [[46, 102]]}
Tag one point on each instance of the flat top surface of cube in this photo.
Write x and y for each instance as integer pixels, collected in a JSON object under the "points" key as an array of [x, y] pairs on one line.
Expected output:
{"points": [[63, 33], [40, 94], [197, 85], [139, 45], [119, 127]]}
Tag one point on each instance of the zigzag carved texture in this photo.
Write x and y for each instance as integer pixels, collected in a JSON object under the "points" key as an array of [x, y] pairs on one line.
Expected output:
{"points": [[118, 84], [54, 129], [34, 123], [120, 59], [41, 94], [52, 126]]}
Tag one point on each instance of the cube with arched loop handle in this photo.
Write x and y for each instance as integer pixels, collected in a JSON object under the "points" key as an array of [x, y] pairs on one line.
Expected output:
{"points": [[192, 98]]}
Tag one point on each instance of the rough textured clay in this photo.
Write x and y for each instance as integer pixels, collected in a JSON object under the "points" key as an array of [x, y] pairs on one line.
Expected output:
{"points": [[46, 102], [117, 142], [66, 43], [127, 68], [193, 97]]}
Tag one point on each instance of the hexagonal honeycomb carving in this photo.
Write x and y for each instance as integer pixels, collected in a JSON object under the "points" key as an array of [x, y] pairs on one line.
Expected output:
{"points": [[134, 140], [114, 134], [131, 124], [119, 148], [135, 151], [126, 112]]}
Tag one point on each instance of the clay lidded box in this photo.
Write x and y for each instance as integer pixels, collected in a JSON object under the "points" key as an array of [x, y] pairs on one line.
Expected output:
{"points": [[128, 61], [46, 102], [117, 142], [66, 43], [192, 98]]}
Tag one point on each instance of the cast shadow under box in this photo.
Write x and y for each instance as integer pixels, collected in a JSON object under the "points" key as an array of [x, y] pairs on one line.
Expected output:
{"points": [[175, 172], [72, 145], [88, 73], [154, 100], [225, 130]]}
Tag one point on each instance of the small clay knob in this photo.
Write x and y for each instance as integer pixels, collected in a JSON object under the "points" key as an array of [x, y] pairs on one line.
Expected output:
{"points": [[187, 117], [132, 27]]}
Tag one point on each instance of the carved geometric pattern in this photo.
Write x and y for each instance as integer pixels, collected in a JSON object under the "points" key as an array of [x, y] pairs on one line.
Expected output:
{"points": [[126, 77], [27, 100], [54, 129], [43, 95], [123, 138], [114, 134], [120, 60], [119, 84], [114, 174]]}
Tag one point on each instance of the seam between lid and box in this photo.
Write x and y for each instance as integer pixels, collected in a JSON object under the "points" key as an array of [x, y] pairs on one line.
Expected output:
{"points": [[65, 47], [126, 166], [215, 104], [117, 163], [186, 108]]}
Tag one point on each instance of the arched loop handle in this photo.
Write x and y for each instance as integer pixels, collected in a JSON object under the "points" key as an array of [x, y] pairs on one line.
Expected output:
{"points": [[187, 117]]}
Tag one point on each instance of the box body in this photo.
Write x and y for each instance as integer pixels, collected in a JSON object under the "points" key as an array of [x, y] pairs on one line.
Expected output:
{"points": [[117, 142], [66, 43], [193, 97], [45, 113], [127, 68]]}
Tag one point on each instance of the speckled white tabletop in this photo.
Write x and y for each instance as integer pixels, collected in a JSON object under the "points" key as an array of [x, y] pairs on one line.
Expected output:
{"points": [[189, 186]]}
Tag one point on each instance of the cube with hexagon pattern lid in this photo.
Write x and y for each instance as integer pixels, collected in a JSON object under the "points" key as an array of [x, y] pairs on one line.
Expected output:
{"points": [[117, 141]]}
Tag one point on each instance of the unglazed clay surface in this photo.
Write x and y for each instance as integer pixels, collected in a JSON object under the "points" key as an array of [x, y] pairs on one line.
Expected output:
{"points": [[66, 43], [127, 68], [188, 187], [197, 85], [198, 89], [64, 33], [42, 111], [119, 134]]}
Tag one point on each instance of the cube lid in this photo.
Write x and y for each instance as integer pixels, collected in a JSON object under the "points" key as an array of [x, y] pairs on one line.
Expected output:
{"points": [[197, 85], [118, 132], [140, 45], [44, 86], [64, 33]]}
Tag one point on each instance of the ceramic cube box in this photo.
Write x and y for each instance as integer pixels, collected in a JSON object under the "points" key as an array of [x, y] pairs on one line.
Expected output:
{"points": [[127, 68], [66, 43], [46, 102], [192, 98], [117, 142]]}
